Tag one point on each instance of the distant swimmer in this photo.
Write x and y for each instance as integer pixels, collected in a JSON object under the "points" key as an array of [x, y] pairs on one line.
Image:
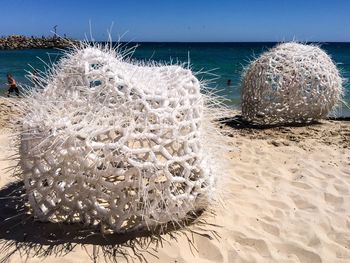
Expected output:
{"points": [[229, 82], [13, 85]]}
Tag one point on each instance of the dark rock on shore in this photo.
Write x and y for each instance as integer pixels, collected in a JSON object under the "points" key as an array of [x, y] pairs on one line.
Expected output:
{"points": [[23, 42]]}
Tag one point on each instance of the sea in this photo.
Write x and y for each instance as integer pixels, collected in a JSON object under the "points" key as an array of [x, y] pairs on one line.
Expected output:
{"points": [[221, 64]]}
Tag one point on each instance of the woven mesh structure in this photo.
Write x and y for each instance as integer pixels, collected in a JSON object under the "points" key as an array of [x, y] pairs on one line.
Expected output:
{"points": [[290, 83], [115, 144]]}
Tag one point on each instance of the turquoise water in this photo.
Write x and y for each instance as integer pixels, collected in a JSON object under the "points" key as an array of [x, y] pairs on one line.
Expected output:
{"points": [[225, 60]]}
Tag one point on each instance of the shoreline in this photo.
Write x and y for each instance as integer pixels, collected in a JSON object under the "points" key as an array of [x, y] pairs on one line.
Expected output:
{"points": [[342, 113]]}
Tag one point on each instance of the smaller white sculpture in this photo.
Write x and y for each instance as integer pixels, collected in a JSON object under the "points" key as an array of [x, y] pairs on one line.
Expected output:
{"points": [[117, 144], [290, 83]]}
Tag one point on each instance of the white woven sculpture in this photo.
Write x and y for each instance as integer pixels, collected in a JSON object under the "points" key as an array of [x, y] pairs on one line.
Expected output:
{"points": [[116, 144], [290, 83]]}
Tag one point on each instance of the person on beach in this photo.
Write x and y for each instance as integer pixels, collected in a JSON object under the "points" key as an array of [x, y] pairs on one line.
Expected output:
{"points": [[13, 85]]}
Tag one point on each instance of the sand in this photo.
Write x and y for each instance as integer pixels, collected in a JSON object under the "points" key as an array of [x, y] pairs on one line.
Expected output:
{"points": [[286, 198]]}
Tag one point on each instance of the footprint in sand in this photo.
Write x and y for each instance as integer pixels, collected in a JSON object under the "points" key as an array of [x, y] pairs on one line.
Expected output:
{"points": [[279, 204], [302, 204], [304, 255], [258, 244], [314, 241], [301, 185], [332, 199], [273, 230], [341, 189], [207, 250]]}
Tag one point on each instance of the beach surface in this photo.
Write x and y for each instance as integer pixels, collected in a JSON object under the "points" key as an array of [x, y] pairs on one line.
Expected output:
{"points": [[286, 198]]}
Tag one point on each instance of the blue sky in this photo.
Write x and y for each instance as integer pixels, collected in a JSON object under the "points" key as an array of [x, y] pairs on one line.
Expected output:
{"points": [[180, 20]]}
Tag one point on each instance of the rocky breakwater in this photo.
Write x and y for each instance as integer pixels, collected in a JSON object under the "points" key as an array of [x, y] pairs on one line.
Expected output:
{"points": [[23, 42]]}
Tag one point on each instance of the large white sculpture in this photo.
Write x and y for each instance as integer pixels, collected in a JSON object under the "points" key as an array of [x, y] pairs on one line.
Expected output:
{"points": [[117, 144], [290, 83]]}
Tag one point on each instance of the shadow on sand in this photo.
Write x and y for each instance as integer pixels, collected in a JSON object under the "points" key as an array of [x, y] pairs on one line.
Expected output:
{"points": [[20, 233], [237, 122]]}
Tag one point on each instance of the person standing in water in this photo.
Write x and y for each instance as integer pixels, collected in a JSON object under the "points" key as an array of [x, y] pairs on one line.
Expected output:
{"points": [[13, 85]]}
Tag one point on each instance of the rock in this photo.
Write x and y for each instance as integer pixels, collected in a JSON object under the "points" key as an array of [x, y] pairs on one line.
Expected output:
{"points": [[286, 143], [275, 143]]}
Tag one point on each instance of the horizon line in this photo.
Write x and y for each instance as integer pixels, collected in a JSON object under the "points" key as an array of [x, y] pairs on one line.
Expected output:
{"points": [[191, 41]]}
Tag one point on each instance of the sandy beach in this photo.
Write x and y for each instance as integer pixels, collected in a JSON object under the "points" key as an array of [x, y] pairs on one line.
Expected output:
{"points": [[286, 198]]}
